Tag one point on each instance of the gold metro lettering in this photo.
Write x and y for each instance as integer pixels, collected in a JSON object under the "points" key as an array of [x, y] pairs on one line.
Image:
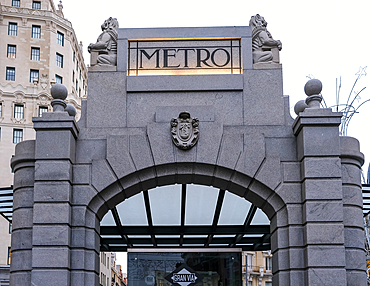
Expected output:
{"points": [[184, 58]]}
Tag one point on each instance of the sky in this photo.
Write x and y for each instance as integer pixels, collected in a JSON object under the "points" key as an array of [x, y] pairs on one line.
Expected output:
{"points": [[322, 39]]}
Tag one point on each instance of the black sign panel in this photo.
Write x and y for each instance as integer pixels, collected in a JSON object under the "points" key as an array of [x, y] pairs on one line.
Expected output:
{"points": [[184, 276], [184, 57]]}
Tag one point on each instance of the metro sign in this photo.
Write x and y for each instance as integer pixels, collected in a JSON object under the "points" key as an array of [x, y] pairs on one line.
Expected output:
{"points": [[203, 56], [184, 276]]}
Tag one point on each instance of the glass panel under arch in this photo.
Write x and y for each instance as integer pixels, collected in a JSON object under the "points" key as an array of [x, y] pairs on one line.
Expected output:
{"points": [[200, 204], [260, 218], [132, 211], [108, 219], [234, 210], [165, 205]]}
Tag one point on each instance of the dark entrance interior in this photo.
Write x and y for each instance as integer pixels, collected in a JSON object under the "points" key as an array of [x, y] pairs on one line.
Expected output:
{"points": [[184, 268]]}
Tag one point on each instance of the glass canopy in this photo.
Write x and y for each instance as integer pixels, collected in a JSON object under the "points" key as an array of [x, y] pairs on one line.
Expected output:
{"points": [[185, 215]]}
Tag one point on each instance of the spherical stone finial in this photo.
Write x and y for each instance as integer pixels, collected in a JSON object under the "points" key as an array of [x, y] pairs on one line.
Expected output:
{"points": [[59, 91], [300, 106], [71, 110], [312, 87]]}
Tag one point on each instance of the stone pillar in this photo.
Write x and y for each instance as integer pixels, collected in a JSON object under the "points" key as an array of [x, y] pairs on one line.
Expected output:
{"points": [[23, 164], [352, 160], [318, 150], [56, 134]]}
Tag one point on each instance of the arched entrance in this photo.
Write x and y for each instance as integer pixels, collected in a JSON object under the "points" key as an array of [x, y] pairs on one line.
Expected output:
{"points": [[221, 218], [300, 173]]}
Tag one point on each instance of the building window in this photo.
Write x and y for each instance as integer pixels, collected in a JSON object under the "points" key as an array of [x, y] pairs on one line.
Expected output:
{"points": [[9, 255], [1, 109], [76, 85], [42, 109], [16, 3], [10, 73], [17, 135], [77, 66], [12, 29], [268, 283], [36, 31], [74, 56], [35, 54], [249, 262], [34, 75], [36, 5], [12, 51], [79, 92], [60, 60], [73, 76], [268, 263], [18, 111], [60, 38], [58, 79]]}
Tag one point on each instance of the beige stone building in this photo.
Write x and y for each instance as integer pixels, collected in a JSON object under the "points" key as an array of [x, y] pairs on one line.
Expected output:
{"points": [[118, 278], [105, 268], [257, 268], [38, 47], [5, 229]]}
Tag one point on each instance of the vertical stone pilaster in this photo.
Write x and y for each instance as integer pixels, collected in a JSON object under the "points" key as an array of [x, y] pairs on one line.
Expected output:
{"points": [[318, 150], [352, 160], [23, 164], [56, 135]]}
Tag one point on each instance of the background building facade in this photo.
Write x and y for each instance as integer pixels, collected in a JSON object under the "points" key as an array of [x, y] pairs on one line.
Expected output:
{"points": [[257, 268], [38, 47]]}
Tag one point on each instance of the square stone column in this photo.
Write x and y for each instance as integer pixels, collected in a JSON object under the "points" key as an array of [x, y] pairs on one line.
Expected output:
{"points": [[318, 150], [56, 134]]}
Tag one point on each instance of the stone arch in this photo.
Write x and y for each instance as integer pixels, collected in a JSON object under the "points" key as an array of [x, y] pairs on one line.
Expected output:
{"points": [[240, 184], [271, 203]]}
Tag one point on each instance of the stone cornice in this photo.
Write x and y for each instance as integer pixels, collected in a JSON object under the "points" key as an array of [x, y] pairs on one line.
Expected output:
{"points": [[316, 117], [40, 14]]}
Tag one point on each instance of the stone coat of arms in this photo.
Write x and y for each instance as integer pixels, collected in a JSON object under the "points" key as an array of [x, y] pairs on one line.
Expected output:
{"points": [[184, 131]]}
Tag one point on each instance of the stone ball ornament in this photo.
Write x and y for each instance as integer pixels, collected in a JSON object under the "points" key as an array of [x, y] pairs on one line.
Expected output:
{"points": [[71, 110], [300, 106], [59, 91], [313, 87]]}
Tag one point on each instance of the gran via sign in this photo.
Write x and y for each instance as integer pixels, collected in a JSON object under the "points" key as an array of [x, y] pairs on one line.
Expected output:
{"points": [[205, 56], [184, 276]]}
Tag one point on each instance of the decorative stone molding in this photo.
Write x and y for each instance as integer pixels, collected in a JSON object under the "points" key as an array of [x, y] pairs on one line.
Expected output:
{"points": [[43, 99], [44, 81], [104, 51], [184, 131], [264, 48], [24, 21]]}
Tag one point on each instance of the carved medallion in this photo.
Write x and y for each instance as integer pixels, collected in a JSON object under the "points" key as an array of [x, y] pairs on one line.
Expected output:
{"points": [[185, 131], [44, 81]]}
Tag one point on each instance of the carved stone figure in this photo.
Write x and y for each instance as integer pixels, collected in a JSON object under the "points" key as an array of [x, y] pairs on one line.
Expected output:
{"points": [[104, 51], [44, 81], [264, 47], [184, 131]]}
